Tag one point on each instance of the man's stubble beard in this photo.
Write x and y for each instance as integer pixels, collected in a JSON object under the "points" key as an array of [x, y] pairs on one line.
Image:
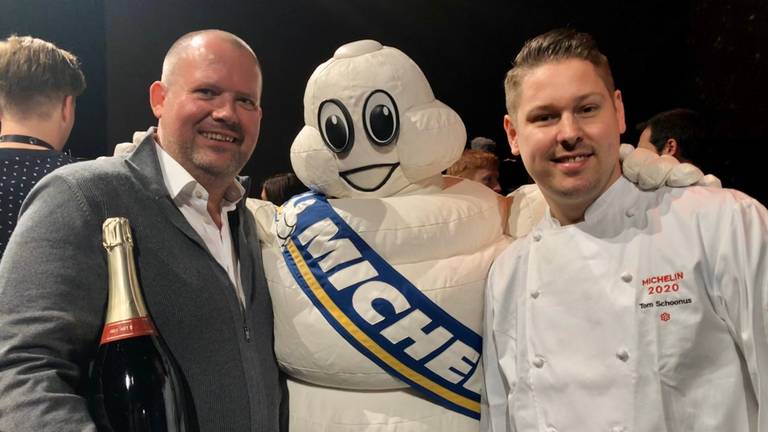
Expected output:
{"points": [[188, 151]]}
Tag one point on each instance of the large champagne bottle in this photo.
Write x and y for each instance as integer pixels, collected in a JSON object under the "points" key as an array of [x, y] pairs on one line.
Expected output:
{"points": [[135, 383]]}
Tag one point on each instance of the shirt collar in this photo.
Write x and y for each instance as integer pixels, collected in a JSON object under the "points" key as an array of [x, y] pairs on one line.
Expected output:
{"points": [[181, 184], [611, 198]]}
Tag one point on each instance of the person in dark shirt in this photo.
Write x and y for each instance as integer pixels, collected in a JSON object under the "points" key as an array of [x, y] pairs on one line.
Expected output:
{"points": [[38, 86]]}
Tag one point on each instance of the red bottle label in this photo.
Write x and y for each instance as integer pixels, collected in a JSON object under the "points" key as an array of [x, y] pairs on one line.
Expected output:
{"points": [[129, 328]]}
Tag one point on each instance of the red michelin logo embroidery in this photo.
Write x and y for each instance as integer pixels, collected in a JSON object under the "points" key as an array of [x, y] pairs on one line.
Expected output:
{"points": [[661, 284], [665, 316]]}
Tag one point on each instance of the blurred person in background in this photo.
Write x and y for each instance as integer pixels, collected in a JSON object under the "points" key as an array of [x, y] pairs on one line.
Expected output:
{"points": [[483, 144], [678, 133], [478, 165], [278, 188], [38, 86]]}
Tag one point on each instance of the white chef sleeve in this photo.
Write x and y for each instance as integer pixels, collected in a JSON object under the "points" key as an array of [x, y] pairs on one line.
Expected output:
{"points": [[740, 286]]}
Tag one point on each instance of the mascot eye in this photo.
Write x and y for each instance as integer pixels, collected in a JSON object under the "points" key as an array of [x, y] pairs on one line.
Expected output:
{"points": [[335, 126], [380, 117]]}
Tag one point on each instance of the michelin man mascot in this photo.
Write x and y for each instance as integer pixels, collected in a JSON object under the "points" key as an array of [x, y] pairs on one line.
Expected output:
{"points": [[377, 289], [376, 279]]}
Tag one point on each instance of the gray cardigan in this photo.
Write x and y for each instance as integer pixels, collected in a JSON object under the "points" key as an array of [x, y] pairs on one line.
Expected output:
{"points": [[53, 292]]}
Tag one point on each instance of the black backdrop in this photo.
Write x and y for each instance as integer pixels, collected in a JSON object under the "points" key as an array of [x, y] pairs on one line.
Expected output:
{"points": [[706, 54]]}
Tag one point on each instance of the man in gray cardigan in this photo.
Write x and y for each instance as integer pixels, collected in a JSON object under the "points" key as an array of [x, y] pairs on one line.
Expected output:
{"points": [[196, 248]]}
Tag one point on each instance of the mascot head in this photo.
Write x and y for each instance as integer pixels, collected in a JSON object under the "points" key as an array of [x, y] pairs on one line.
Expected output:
{"points": [[372, 125]]}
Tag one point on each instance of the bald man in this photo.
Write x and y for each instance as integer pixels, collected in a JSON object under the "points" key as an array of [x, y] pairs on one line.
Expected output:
{"points": [[196, 249]]}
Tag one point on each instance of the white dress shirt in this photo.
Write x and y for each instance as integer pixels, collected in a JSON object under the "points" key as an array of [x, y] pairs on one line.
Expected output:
{"points": [[648, 316], [192, 200]]}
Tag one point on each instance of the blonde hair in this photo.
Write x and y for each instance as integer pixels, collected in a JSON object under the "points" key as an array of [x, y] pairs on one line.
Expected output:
{"points": [[555, 45], [471, 161], [34, 72]]}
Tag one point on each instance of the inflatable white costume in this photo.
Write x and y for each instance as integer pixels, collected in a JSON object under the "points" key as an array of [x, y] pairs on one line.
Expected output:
{"points": [[377, 290], [376, 140]]}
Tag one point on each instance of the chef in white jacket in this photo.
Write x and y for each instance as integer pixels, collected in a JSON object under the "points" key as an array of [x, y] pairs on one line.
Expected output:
{"points": [[623, 310]]}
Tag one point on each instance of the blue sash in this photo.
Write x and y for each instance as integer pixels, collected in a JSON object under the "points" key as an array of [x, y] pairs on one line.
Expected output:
{"points": [[377, 310]]}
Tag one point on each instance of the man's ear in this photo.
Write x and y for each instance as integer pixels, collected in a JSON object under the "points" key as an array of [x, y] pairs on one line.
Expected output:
{"points": [[618, 103], [157, 93], [509, 127], [68, 109], [671, 148]]}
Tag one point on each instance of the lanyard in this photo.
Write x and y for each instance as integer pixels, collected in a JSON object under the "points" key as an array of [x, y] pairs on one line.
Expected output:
{"points": [[26, 140]]}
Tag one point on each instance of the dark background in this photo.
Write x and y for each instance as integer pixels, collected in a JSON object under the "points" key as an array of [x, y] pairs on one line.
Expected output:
{"points": [[707, 55]]}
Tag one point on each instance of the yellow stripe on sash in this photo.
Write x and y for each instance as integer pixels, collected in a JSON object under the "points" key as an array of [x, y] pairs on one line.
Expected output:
{"points": [[370, 344]]}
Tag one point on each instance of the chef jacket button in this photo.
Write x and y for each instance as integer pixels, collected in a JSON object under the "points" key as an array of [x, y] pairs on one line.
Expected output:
{"points": [[535, 294], [629, 212], [622, 355], [551, 429], [198, 195], [538, 362], [626, 277], [536, 236]]}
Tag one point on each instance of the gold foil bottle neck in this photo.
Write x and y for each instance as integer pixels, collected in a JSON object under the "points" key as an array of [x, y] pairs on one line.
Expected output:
{"points": [[125, 300], [116, 231]]}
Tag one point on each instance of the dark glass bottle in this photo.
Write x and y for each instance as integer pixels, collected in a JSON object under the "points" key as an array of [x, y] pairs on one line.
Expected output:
{"points": [[135, 383]]}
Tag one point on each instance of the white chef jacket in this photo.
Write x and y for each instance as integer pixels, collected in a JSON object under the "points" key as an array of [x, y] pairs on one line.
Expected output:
{"points": [[647, 316]]}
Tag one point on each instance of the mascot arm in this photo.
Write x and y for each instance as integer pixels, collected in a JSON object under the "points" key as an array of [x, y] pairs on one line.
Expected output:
{"points": [[264, 214], [526, 208], [128, 147], [651, 171]]}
